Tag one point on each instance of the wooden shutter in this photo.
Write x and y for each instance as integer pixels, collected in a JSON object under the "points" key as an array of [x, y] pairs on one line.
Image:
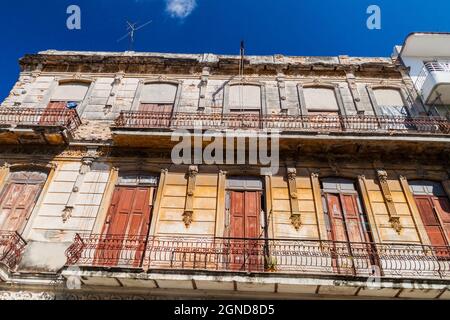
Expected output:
{"points": [[126, 228], [252, 214], [336, 217], [18, 200], [442, 205], [352, 219], [237, 211], [430, 220], [129, 212]]}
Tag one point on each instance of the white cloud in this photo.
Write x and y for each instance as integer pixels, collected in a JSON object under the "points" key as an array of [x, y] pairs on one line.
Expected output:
{"points": [[180, 8]]}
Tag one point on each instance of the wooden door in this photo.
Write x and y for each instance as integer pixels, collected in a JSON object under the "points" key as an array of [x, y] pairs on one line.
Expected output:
{"points": [[245, 231], [51, 115], [346, 230], [433, 210], [126, 228], [16, 204]]}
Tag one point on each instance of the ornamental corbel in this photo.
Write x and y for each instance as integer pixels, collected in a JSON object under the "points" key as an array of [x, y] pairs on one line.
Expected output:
{"points": [[395, 224], [293, 198], [189, 206], [67, 213], [394, 218]]}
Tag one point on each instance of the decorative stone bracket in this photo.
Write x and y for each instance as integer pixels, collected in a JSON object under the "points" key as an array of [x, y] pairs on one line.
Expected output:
{"points": [[296, 219], [114, 90], [189, 206], [282, 90], [203, 86], [86, 164], [394, 218]]}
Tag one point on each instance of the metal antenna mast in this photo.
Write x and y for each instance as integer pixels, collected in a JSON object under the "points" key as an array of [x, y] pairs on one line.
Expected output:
{"points": [[132, 28]]}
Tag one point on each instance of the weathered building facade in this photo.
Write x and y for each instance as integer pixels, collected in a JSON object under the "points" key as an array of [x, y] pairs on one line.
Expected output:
{"points": [[92, 204]]}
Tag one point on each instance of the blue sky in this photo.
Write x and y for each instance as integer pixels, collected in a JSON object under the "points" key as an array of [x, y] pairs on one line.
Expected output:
{"points": [[290, 27]]}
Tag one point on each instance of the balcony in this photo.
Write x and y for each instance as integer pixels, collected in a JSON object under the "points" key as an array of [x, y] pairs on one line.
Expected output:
{"points": [[433, 83], [154, 130], [261, 256], [11, 248], [107, 251], [316, 123], [34, 125]]}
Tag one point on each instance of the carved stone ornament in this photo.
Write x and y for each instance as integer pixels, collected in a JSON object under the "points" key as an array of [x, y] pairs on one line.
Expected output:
{"points": [[188, 217], [86, 164], [193, 171], [382, 175], [395, 224], [296, 220], [292, 173], [67, 213], [189, 206]]}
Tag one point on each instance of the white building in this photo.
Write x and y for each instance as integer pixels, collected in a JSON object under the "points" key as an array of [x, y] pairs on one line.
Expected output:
{"points": [[427, 55]]}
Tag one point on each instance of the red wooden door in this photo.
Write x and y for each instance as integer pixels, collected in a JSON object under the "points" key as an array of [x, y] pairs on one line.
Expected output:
{"points": [[51, 115], [16, 203], [431, 210], [126, 229], [346, 231], [442, 205], [246, 249]]}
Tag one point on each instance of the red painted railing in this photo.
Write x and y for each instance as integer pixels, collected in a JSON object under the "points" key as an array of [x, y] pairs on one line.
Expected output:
{"points": [[11, 248], [262, 255], [40, 117], [312, 123]]}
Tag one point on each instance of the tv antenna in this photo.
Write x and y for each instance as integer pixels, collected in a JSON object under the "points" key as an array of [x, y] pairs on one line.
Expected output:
{"points": [[132, 28]]}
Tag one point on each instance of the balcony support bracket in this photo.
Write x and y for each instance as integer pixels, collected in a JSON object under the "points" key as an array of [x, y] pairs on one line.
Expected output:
{"points": [[296, 218], [189, 206], [394, 218]]}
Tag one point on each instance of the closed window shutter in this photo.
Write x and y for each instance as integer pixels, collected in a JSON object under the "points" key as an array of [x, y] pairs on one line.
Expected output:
{"points": [[320, 99], [159, 93], [71, 92], [245, 97]]}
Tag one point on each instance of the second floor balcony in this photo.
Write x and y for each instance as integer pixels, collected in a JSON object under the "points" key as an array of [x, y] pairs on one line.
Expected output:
{"points": [[260, 256], [354, 124], [37, 125]]}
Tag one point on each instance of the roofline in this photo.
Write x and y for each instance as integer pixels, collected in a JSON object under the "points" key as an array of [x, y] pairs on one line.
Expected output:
{"points": [[417, 33]]}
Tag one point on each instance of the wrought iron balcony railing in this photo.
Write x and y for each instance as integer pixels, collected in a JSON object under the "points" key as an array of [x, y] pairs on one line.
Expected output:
{"points": [[311, 123], [40, 117], [107, 251], [306, 257], [11, 248]]}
